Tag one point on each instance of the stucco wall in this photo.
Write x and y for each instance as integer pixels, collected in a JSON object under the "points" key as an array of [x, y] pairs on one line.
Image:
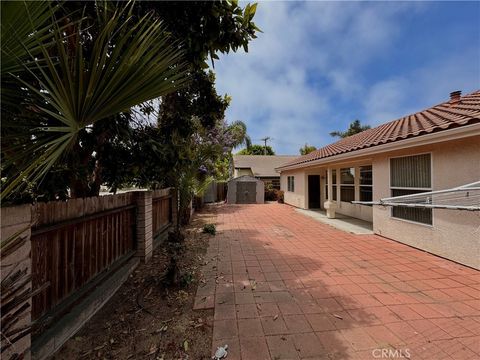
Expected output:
{"points": [[455, 234], [299, 196], [14, 220], [355, 210]]}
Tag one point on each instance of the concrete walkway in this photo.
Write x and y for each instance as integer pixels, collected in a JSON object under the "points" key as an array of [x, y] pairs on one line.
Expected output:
{"points": [[285, 286], [341, 222]]}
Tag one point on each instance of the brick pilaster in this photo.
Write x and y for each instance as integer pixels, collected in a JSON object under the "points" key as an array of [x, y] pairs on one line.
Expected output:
{"points": [[144, 225]]}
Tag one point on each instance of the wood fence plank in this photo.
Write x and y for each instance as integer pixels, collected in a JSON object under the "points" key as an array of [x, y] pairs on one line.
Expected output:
{"points": [[70, 254]]}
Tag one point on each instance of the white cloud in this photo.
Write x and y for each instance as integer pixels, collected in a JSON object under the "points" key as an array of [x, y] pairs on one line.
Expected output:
{"points": [[305, 74]]}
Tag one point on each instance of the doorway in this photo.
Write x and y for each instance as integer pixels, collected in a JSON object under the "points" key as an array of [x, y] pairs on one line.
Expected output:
{"points": [[246, 192], [314, 191]]}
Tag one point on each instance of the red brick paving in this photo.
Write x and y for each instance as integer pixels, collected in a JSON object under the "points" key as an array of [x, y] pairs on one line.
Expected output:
{"points": [[285, 286]]}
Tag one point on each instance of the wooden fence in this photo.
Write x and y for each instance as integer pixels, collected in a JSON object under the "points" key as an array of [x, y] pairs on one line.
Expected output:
{"points": [[74, 247], [74, 241], [221, 191], [162, 205]]}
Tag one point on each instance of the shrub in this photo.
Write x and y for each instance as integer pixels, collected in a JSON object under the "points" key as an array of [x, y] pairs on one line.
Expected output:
{"points": [[271, 194], [280, 196], [210, 229]]}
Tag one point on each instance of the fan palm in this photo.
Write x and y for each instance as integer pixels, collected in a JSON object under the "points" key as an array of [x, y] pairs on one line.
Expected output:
{"points": [[131, 60], [238, 129]]}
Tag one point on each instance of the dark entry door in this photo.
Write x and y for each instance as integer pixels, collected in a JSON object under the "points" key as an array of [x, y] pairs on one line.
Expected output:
{"points": [[246, 192], [313, 191]]}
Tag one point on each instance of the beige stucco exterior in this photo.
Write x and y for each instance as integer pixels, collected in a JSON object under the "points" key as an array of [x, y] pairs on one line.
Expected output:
{"points": [[299, 198], [454, 234]]}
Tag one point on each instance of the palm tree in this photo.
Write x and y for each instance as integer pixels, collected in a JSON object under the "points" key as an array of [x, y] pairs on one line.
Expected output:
{"points": [[238, 130], [354, 128], [130, 60]]}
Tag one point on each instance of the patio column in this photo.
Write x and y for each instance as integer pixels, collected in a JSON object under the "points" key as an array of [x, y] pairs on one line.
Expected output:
{"points": [[330, 205], [357, 183]]}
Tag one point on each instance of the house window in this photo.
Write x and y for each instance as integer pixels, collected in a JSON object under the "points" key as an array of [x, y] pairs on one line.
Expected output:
{"points": [[366, 182], [291, 183], [347, 184], [411, 175]]}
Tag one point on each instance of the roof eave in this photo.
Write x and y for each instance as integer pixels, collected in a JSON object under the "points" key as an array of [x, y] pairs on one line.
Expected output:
{"points": [[445, 135]]}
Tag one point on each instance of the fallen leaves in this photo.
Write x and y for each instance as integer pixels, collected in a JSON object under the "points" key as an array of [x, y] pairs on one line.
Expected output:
{"points": [[153, 349]]}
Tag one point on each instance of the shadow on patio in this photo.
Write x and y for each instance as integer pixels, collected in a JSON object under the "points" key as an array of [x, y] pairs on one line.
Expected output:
{"points": [[286, 287]]}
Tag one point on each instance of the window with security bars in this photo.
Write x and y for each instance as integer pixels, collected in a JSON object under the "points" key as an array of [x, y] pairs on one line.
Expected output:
{"points": [[411, 175]]}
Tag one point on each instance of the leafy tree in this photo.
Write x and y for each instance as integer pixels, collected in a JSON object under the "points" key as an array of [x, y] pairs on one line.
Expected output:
{"points": [[77, 80], [197, 30], [307, 149], [257, 150], [238, 130], [354, 128]]}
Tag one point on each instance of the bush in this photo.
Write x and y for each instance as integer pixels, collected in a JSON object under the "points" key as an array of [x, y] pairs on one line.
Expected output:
{"points": [[210, 229], [271, 194], [280, 196]]}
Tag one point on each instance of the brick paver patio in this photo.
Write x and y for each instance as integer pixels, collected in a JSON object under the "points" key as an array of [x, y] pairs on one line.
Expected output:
{"points": [[285, 286]]}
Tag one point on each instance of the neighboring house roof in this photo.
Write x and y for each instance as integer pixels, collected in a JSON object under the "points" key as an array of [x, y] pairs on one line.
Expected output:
{"points": [[261, 165], [458, 111]]}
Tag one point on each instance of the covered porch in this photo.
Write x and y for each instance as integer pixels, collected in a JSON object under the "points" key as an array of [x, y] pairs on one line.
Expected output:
{"points": [[333, 188], [341, 222]]}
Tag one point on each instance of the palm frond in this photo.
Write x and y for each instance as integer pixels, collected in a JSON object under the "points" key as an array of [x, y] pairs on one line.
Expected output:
{"points": [[131, 61]]}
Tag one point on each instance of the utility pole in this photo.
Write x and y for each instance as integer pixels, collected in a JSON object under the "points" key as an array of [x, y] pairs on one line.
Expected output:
{"points": [[265, 139]]}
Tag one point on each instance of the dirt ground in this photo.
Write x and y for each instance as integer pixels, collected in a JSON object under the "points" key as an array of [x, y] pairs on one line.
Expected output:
{"points": [[144, 320]]}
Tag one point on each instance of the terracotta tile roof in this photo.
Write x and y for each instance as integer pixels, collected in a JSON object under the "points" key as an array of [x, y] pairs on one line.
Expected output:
{"points": [[444, 116]]}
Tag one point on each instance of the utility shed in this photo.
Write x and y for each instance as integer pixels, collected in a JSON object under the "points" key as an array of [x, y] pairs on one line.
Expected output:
{"points": [[245, 190]]}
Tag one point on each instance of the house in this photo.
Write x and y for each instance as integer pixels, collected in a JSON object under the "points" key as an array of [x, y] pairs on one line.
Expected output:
{"points": [[260, 166], [434, 149]]}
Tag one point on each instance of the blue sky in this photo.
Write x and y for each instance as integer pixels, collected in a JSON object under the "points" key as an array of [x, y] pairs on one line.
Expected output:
{"points": [[319, 65]]}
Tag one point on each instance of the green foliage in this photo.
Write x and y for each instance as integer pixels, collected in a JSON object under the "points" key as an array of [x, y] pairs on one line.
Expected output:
{"points": [[130, 60], [257, 150], [307, 149], [79, 140], [206, 27], [238, 131], [210, 229], [271, 194], [187, 278], [354, 128]]}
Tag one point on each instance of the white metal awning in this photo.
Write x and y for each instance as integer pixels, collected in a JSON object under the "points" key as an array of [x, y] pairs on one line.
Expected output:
{"points": [[465, 197]]}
